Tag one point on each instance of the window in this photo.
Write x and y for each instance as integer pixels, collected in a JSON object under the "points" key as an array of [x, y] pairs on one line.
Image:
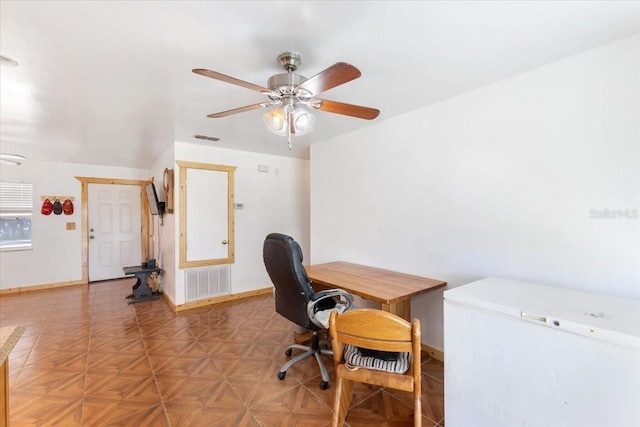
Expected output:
{"points": [[16, 209]]}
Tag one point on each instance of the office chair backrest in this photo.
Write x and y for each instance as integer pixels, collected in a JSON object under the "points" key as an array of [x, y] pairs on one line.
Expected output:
{"points": [[283, 260]]}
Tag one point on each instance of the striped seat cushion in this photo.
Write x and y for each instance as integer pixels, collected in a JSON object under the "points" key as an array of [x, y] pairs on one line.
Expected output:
{"points": [[354, 359]]}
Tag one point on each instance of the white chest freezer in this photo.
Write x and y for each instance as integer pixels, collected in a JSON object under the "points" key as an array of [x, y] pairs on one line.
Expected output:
{"points": [[521, 354]]}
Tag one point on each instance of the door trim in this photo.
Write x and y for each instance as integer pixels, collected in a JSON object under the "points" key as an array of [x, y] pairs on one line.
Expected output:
{"points": [[183, 263], [84, 212]]}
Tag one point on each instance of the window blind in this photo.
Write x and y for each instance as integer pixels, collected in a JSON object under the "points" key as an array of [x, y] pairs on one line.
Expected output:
{"points": [[16, 198]]}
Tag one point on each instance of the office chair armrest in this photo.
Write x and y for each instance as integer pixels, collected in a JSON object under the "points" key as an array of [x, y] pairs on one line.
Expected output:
{"points": [[341, 300]]}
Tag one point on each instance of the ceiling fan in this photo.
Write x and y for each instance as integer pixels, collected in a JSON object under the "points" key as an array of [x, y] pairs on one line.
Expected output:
{"points": [[292, 92]]}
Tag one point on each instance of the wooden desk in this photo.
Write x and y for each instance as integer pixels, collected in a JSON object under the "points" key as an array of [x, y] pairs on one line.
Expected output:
{"points": [[9, 336], [391, 289]]}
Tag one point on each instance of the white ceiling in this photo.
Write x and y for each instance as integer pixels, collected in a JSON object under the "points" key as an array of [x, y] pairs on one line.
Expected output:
{"points": [[110, 83]]}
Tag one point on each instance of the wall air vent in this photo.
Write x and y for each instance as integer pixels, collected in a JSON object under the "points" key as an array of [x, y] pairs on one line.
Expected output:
{"points": [[210, 282]]}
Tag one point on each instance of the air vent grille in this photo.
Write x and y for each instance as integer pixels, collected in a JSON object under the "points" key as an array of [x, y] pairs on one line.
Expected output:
{"points": [[203, 283], [207, 138]]}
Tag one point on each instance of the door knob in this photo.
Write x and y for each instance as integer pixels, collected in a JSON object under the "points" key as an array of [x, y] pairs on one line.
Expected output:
{"points": [[224, 242], [91, 237]]}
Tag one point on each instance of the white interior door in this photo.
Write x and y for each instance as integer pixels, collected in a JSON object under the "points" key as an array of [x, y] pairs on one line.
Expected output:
{"points": [[207, 214], [115, 233]]}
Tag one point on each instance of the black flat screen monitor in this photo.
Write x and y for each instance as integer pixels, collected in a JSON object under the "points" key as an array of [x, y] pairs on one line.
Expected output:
{"points": [[156, 206]]}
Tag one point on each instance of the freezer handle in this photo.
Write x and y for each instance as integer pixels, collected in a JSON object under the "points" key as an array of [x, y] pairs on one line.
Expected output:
{"points": [[536, 317]]}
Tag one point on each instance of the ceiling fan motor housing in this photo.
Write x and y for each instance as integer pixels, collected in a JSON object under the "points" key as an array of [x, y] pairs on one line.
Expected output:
{"points": [[280, 82], [285, 83]]}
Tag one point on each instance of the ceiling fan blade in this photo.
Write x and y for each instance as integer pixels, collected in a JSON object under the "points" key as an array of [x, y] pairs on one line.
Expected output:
{"points": [[344, 109], [232, 80], [241, 109], [339, 73]]}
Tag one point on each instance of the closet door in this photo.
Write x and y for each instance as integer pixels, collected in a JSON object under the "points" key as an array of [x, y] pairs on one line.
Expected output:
{"points": [[206, 214]]}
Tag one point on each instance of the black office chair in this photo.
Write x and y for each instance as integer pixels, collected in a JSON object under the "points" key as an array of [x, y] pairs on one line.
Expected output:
{"points": [[297, 301]]}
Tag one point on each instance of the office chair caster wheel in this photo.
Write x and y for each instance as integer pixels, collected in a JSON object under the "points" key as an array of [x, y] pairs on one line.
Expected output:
{"points": [[324, 385], [281, 375], [288, 352]]}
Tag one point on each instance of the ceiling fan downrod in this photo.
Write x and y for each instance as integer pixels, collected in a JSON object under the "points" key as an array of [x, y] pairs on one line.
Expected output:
{"points": [[290, 61]]}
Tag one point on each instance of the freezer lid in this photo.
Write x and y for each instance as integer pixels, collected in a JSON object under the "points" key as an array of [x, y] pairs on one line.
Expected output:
{"points": [[603, 317]]}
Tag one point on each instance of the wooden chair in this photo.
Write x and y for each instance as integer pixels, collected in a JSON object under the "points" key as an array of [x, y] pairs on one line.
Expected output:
{"points": [[376, 330]]}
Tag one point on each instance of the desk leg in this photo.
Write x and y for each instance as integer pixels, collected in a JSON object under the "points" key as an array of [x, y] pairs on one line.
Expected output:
{"points": [[400, 308], [4, 399], [141, 291]]}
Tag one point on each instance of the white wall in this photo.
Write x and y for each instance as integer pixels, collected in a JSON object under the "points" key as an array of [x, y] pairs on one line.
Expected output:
{"points": [[273, 202], [57, 252], [277, 201], [163, 229], [497, 182]]}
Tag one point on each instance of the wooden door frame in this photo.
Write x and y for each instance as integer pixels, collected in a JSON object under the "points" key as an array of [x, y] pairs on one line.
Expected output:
{"points": [[84, 212], [229, 170]]}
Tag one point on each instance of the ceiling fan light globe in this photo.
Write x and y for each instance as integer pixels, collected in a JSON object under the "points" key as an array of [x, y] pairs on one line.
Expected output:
{"points": [[275, 120], [303, 121]]}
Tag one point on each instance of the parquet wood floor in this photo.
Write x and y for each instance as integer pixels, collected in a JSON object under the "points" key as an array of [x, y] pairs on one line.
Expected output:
{"points": [[87, 358]]}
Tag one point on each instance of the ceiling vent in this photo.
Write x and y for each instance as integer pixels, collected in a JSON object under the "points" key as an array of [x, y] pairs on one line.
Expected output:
{"points": [[207, 138]]}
